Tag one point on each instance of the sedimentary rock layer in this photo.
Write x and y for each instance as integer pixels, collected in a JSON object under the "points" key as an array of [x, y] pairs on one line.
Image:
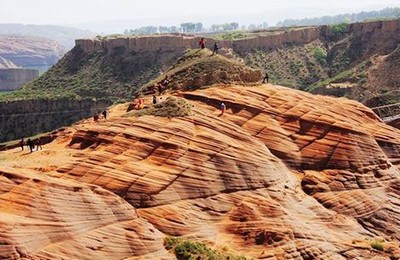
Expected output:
{"points": [[281, 174]]}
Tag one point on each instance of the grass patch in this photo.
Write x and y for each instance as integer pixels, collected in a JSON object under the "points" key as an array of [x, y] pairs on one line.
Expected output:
{"points": [[342, 76], [188, 250], [231, 36], [320, 55], [338, 28], [171, 107], [377, 245]]}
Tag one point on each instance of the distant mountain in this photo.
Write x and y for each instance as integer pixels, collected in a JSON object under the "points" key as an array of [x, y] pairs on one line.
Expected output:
{"points": [[387, 13], [64, 35], [30, 51], [7, 64]]}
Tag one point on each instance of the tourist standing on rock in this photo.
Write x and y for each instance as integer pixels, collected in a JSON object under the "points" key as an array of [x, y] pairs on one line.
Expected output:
{"points": [[140, 103], [105, 114], [223, 107], [266, 78], [38, 144], [215, 49], [21, 144], [202, 43], [166, 81], [154, 99], [160, 88], [30, 144]]}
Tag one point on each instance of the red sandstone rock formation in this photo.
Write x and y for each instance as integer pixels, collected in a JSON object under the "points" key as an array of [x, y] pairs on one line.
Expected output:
{"points": [[282, 174]]}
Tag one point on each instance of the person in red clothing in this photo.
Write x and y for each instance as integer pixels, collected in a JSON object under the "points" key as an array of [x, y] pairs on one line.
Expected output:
{"points": [[223, 108], [202, 43]]}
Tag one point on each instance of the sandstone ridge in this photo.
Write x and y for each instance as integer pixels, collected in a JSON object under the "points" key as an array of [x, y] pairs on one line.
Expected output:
{"points": [[281, 175]]}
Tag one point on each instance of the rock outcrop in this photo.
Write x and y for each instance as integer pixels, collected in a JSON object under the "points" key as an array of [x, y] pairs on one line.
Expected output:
{"points": [[281, 174]]}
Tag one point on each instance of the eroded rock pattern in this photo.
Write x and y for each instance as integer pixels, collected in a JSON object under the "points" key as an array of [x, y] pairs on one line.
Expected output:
{"points": [[281, 174]]}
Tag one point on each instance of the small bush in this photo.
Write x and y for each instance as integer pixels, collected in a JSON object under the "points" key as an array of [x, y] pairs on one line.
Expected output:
{"points": [[338, 28], [377, 245], [187, 250], [320, 55]]}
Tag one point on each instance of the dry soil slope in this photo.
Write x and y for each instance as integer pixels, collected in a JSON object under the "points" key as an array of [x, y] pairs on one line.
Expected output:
{"points": [[282, 174]]}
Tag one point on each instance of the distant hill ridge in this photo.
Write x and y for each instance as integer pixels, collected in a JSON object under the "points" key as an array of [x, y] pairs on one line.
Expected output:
{"points": [[61, 34], [387, 13]]}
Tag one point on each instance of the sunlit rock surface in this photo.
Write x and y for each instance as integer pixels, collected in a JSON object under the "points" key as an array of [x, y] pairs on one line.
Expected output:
{"points": [[281, 174]]}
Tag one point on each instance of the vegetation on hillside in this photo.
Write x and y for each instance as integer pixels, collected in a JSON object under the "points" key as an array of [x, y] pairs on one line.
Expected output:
{"points": [[100, 76], [189, 250], [387, 13], [198, 68], [293, 66]]}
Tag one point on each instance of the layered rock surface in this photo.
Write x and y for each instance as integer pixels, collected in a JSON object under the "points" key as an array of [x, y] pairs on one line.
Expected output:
{"points": [[281, 175]]}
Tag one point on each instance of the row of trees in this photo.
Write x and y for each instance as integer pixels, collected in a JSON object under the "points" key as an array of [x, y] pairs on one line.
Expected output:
{"points": [[387, 13], [194, 28]]}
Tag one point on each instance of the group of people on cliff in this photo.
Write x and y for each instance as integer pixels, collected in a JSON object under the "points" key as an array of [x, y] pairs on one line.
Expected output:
{"points": [[202, 44], [96, 116], [31, 144]]}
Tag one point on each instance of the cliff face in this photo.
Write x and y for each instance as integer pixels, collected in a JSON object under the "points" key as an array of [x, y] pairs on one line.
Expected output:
{"points": [[282, 174], [29, 117], [379, 30], [11, 79]]}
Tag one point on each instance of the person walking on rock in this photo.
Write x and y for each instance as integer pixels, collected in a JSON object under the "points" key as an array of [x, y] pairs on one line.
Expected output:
{"points": [[223, 108], [154, 99], [30, 144], [104, 113], [266, 78], [215, 49], [202, 43], [38, 144], [160, 88], [21, 144]]}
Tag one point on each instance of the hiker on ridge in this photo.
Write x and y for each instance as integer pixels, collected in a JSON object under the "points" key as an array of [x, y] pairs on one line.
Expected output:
{"points": [[223, 108], [165, 81], [160, 88], [104, 113], [266, 78], [30, 144], [21, 144], [202, 43], [215, 49], [154, 99], [38, 144]]}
